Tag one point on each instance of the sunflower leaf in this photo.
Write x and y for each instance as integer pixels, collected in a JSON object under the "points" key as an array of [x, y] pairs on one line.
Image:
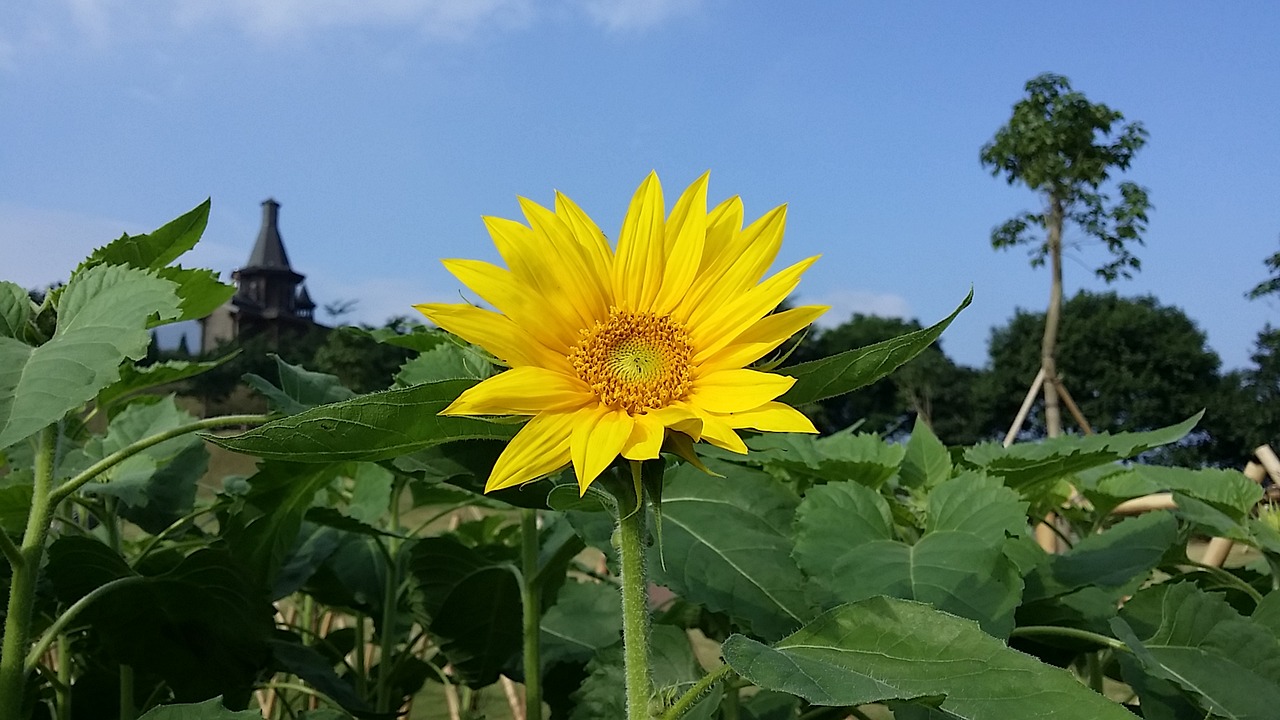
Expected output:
{"points": [[848, 371]]}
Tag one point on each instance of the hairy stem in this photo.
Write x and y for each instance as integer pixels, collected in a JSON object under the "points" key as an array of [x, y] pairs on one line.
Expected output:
{"points": [[1067, 632], [531, 597], [635, 607], [22, 584], [691, 696]]}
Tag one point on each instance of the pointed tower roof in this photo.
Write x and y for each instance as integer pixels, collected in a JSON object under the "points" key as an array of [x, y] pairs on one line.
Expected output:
{"points": [[268, 251], [304, 301]]}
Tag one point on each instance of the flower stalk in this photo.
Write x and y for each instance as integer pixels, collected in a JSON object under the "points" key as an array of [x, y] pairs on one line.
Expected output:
{"points": [[531, 595], [635, 605]]}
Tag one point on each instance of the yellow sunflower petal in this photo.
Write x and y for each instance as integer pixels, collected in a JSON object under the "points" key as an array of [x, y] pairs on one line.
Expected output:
{"points": [[541, 447], [496, 333], [723, 225], [593, 241], [686, 233], [646, 438], [768, 333], [568, 265], [599, 435], [772, 417], [679, 417], [740, 313], [747, 259], [719, 433], [731, 391], [638, 265], [523, 304], [523, 391]]}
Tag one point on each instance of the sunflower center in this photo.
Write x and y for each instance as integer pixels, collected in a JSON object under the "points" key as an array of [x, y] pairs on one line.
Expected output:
{"points": [[634, 361]]}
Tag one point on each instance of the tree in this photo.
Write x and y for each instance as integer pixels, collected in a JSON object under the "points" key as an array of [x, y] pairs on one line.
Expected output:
{"points": [[1134, 364], [930, 386], [1062, 146], [1271, 285]]}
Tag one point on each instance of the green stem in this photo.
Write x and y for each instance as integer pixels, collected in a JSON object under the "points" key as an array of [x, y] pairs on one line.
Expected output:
{"points": [[390, 600], [59, 626], [106, 463], [1068, 632], [635, 608], [531, 601], [1229, 579], [22, 584], [127, 710], [691, 696], [729, 703], [9, 550]]}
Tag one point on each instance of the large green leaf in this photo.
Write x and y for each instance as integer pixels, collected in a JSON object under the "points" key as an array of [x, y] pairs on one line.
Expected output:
{"points": [[156, 249], [1115, 559], [859, 457], [726, 546], [848, 371], [586, 618], [158, 485], [926, 461], [201, 627], [845, 540], [300, 389], [884, 648], [210, 709], [200, 290], [16, 310], [102, 320], [1194, 639], [1227, 490], [1024, 465], [377, 426], [134, 378], [293, 657], [446, 361]]}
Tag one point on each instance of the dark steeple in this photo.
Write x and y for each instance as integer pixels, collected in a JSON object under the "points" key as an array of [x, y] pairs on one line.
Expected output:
{"points": [[269, 252]]}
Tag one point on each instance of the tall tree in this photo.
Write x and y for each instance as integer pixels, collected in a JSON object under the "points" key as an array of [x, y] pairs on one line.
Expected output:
{"points": [[1138, 364], [1064, 148]]}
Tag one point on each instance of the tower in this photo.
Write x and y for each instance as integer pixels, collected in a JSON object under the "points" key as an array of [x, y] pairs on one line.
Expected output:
{"points": [[270, 296]]}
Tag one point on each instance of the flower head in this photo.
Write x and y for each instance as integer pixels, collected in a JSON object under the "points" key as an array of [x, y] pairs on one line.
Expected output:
{"points": [[616, 352]]}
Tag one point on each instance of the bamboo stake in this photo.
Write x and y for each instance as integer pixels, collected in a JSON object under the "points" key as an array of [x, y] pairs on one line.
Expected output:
{"points": [[1268, 458], [1216, 553], [1146, 503], [1025, 409], [1072, 407], [513, 698]]}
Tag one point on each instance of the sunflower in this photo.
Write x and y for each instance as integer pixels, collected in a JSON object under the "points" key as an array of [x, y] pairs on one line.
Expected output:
{"points": [[620, 352]]}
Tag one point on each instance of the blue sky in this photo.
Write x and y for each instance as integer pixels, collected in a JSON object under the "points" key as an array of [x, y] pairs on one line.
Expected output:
{"points": [[387, 128]]}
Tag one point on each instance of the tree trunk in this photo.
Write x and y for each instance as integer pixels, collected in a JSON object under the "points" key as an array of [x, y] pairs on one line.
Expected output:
{"points": [[1049, 346]]}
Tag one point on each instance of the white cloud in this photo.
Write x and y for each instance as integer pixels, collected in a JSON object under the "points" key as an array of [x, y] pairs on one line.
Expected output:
{"points": [[41, 246], [635, 15], [845, 303], [275, 18]]}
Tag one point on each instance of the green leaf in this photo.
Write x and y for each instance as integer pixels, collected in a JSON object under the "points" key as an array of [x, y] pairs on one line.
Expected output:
{"points": [[848, 371], [16, 310], [1197, 641], [884, 648], [15, 501], [201, 627], [377, 426], [727, 547], [157, 486], [300, 389], [102, 320], [860, 457], [474, 607], [154, 250], [1114, 559], [419, 338], [845, 540], [79, 565], [445, 361], [210, 709], [585, 619], [926, 462], [200, 290], [1227, 490], [134, 378], [675, 669], [295, 658], [1024, 465]]}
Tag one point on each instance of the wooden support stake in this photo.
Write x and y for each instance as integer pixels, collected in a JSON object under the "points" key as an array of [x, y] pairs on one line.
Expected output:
{"points": [[1219, 548], [1072, 407], [1027, 402], [1268, 458], [1146, 503]]}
